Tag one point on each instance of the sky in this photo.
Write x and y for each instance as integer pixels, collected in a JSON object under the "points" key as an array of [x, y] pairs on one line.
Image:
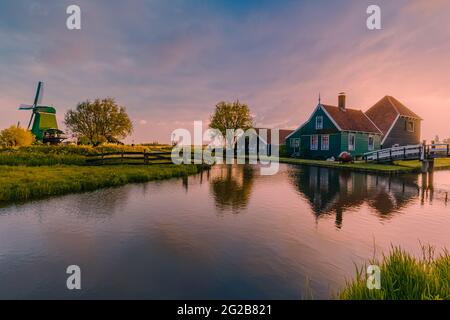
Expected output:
{"points": [[170, 61]]}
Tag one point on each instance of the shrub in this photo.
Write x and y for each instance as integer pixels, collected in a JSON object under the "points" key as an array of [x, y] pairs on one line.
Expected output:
{"points": [[16, 137]]}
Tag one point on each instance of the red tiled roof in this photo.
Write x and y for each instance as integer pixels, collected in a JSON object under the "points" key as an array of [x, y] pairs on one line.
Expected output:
{"points": [[351, 119], [283, 133], [384, 112]]}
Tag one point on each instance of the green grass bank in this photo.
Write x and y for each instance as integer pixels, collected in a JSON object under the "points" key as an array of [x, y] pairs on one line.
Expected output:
{"points": [[22, 183], [397, 167]]}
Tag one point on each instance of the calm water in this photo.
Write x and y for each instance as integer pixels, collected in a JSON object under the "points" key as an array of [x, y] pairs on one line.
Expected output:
{"points": [[227, 233]]}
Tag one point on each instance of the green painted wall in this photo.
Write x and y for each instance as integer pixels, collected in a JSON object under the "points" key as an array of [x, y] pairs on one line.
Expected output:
{"points": [[362, 142]]}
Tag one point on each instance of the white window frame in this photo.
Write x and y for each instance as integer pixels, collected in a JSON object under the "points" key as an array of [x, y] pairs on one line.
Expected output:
{"points": [[369, 146], [322, 144], [353, 146], [413, 126], [317, 123], [314, 146], [297, 143]]}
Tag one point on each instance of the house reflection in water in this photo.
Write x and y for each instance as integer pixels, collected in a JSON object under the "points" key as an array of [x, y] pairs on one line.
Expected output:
{"points": [[331, 191]]}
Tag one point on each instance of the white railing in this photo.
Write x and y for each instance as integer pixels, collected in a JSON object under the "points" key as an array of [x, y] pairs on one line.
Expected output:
{"points": [[418, 151], [395, 153]]}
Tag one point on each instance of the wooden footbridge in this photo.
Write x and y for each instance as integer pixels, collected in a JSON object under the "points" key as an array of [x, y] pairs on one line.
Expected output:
{"points": [[423, 152]]}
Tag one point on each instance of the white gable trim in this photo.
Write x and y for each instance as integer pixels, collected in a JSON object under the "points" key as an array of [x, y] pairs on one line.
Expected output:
{"points": [[381, 132], [331, 118], [390, 129], [319, 106]]}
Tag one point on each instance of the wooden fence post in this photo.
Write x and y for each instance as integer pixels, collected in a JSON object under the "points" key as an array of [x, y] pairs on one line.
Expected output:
{"points": [[404, 152], [145, 157]]}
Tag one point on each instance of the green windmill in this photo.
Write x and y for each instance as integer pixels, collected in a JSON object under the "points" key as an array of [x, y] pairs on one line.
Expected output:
{"points": [[43, 119]]}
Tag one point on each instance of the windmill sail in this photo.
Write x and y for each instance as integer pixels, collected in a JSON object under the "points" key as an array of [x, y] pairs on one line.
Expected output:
{"points": [[25, 107], [39, 92], [31, 120]]}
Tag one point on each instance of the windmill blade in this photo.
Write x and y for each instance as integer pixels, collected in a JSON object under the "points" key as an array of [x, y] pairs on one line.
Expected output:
{"points": [[39, 92], [31, 120], [25, 107]]}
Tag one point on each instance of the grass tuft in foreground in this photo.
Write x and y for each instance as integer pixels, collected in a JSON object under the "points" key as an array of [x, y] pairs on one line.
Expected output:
{"points": [[22, 183], [404, 277]]}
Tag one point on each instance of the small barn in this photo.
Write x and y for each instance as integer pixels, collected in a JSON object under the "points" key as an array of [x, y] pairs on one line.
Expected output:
{"points": [[400, 125], [331, 130]]}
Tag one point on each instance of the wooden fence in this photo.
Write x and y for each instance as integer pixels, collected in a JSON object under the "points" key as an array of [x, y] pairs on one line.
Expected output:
{"points": [[135, 158]]}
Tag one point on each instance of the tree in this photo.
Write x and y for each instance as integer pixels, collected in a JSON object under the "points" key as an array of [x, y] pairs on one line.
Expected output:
{"points": [[99, 121], [234, 116], [16, 137]]}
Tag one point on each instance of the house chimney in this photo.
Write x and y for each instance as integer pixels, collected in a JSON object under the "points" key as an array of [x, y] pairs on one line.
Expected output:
{"points": [[342, 101]]}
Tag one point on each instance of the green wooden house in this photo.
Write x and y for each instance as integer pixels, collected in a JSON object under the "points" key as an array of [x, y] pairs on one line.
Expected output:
{"points": [[331, 130]]}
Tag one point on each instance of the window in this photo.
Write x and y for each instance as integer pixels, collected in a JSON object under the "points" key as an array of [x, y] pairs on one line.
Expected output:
{"points": [[351, 141], [314, 142], [371, 144], [295, 142], [410, 125], [319, 122], [325, 142]]}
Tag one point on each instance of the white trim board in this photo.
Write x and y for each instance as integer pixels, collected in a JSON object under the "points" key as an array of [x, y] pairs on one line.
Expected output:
{"points": [[319, 106], [390, 129]]}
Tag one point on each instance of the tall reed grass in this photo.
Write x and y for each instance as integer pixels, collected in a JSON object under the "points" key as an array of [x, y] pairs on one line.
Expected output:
{"points": [[404, 277]]}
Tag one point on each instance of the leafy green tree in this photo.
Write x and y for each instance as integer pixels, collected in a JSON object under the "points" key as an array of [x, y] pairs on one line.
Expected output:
{"points": [[99, 121], [235, 115], [16, 137]]}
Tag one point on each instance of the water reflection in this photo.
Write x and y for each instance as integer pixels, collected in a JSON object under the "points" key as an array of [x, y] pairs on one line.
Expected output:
{"points": [[231, 187], [332, 191]]}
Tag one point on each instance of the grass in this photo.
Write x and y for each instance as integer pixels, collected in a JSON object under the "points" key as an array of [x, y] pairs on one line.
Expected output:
{"points": [[404, 277], [357, 166], [443, 163], [21, 183], [43, 155], [23, 158]]}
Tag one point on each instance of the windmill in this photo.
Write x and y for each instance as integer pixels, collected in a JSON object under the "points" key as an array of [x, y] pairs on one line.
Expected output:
{"points": [[43, 119]]}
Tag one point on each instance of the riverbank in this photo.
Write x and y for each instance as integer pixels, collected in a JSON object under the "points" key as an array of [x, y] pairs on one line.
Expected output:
{"points": [[404, 277], [398, 167], [23, 183]]}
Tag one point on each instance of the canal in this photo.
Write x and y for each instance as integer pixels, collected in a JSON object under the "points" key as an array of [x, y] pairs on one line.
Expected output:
{"points": [[227, 233]]}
